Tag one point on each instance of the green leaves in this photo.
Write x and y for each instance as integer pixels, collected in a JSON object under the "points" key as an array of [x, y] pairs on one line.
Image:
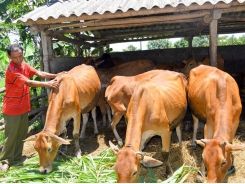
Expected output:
{"points": [[180, 175], [88, 169]]}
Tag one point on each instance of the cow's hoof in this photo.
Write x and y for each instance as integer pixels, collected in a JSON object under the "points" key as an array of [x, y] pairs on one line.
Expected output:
{"points": [[120, 143], [81, 139], [78, 154], [192, 146], [95, 134]]}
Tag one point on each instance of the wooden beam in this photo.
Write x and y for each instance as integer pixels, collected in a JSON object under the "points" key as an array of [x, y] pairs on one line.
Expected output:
{"points": [[133, 13], [233, 19], [125, 21], [147, 32], [70, 40], [125, 25]]}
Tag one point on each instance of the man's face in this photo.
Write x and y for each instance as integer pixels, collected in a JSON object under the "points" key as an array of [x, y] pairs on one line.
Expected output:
{"points": [[16, 57]]}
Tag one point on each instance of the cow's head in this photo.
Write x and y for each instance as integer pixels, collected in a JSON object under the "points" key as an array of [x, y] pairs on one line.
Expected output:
{"points": [[47, 145], [128, 163], [217, 158], [189, 64]]}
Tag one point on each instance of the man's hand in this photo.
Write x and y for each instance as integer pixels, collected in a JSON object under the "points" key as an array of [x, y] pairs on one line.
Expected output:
{"points": [[53, 84]]}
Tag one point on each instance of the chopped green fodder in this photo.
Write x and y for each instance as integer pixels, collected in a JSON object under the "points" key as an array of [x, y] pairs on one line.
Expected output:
{"points": [[88, 169]]}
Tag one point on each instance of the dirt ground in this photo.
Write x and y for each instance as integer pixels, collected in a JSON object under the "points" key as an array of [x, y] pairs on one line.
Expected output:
{"points": [[178, 155]]}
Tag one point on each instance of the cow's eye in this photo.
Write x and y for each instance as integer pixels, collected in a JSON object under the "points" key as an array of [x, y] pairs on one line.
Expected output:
{"points": [[223, 163], [49, 150], [135, 173]]}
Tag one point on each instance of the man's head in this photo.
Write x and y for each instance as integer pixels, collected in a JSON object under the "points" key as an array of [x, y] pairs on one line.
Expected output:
{"points": [[15, 53]]}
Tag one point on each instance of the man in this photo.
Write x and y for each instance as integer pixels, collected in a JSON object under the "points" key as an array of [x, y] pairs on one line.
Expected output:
{"points": [[16, 103]]}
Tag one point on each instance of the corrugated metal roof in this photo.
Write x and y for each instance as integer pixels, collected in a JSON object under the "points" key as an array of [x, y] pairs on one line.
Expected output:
{"points": [[59, 8]]}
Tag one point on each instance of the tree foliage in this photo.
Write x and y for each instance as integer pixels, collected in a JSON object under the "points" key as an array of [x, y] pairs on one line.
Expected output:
{"points": [[159, 44], [130, 48], [200, 41], [181, 43]]}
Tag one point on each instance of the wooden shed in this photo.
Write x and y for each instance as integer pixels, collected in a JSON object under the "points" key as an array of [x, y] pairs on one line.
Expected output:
{"points": [[130, 20]]}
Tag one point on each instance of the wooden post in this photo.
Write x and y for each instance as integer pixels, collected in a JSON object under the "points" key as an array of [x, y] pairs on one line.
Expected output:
{"points": [[190, 47], [47, 56], [47, 50], [213, 37]]}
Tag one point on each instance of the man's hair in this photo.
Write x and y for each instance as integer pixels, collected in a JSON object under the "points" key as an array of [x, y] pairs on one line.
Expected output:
{"points": [[14, 48]]}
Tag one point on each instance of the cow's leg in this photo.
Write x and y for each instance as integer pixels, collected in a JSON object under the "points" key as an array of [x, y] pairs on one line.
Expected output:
{"points": [[195, 127], [108, 110], [209, 129], [115, 120], [85, 121], [166, 138], [76, 125], [103, 112], [96, 132], [178, 132]]}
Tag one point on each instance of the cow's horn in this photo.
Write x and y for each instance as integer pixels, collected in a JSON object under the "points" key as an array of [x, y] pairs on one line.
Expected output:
{"points": [[204, 141], [140, 153], [223, 143]]}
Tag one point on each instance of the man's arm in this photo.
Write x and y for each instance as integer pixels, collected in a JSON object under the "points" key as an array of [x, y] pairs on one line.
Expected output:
{"points": [[52, 83], [45, 75]]}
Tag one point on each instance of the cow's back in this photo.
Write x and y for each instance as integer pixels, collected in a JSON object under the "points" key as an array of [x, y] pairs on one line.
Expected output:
{"points": [[127, 69], [121, 88], [161, 99], [210, 89], [80, 86]]}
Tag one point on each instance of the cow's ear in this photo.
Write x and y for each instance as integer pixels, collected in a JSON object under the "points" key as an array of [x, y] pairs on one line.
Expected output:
{"points": [[113, 148], [31, 138], [184, 61], [201, 142], [59, 139], [151, 162], [235, 147]]}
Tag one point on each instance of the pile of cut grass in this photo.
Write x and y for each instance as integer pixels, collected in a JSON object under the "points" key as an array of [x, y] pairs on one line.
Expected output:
{"points": [[88, 169]]}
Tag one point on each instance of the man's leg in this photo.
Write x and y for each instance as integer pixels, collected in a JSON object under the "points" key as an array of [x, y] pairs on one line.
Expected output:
{"points": [[11, 129], [21, 135]]}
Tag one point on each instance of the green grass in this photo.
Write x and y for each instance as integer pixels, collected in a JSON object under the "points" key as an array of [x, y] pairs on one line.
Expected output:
{"points": [[88, 169]]}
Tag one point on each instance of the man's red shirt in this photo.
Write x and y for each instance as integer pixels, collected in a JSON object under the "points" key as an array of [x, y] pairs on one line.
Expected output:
{"points": [[17, 97]]}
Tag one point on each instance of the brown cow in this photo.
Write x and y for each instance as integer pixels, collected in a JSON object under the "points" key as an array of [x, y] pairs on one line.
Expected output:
{"points": [[192, 63], [78, 93], [172, 67], [103, 62], [214, 97], [157, 106], [126, 69], [119, 92]]}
